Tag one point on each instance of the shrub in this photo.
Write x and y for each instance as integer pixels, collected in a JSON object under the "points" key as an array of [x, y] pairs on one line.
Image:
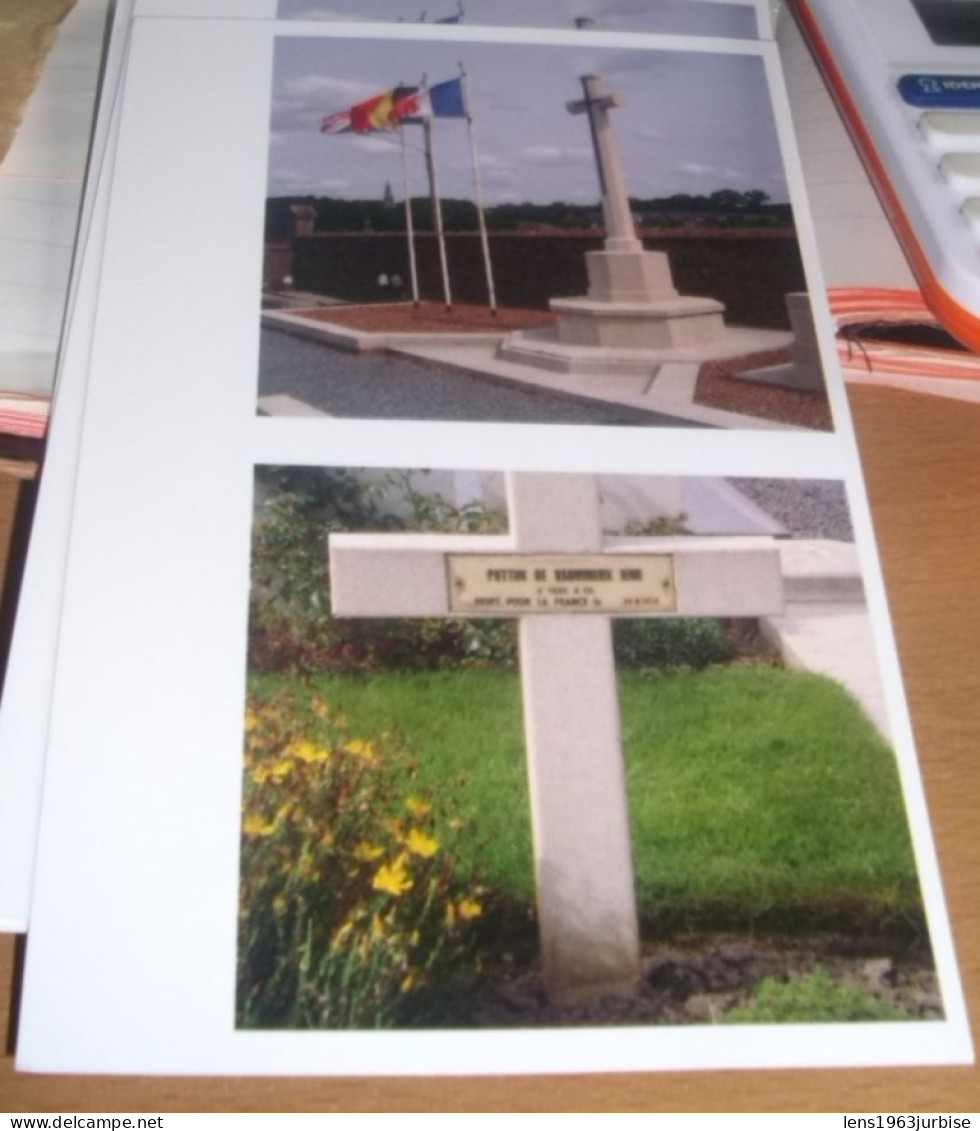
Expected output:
{"points": [[813, 997], [683, 643], [351, 912], [291, 629]]}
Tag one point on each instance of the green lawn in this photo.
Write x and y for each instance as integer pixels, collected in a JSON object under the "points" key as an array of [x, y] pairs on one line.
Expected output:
{"points": [[759, 797]]}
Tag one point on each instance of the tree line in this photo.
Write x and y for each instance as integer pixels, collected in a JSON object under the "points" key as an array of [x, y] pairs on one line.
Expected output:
{"points": [[721, 208]]}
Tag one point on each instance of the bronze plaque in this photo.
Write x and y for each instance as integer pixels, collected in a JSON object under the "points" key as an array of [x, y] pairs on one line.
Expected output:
{"points": [[519, 584]]}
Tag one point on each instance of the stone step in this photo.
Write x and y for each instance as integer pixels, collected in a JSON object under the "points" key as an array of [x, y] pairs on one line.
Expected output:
{"points": [[821, 570]]}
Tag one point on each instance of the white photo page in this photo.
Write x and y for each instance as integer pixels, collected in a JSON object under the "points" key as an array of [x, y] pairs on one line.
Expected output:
{"points": [[29, 672], [474, 655]]}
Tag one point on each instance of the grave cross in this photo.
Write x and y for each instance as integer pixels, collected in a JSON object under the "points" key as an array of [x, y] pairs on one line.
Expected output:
{"points": [[564, 579], [620, 230]]}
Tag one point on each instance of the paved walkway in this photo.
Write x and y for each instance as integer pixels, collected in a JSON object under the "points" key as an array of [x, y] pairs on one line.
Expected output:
{"points": [[388, 386], [670, 391], [665, 392], [826, 627]]}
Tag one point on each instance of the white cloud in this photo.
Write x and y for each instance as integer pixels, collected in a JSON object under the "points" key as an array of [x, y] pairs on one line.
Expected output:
{"points": [[554, 155]]}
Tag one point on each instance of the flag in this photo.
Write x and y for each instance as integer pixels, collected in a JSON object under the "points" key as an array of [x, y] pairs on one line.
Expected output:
{"points": [[336, 123], [446, 99], [383, 111], [457, 19]]}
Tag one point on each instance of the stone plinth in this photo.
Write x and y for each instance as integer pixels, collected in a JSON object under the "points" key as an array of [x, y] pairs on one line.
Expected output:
{"points": [[634, 275], [632, 304], [804, 370], [669, 323]]}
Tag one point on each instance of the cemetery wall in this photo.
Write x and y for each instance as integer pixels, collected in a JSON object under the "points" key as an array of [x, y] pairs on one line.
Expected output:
{"points": [[750, 274]]}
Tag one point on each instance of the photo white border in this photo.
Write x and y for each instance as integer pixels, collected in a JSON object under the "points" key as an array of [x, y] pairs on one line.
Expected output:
{"points": [[133, 923]]}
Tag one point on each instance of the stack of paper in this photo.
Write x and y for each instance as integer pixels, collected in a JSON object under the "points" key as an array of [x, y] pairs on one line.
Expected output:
{"points": [[278, 837]]}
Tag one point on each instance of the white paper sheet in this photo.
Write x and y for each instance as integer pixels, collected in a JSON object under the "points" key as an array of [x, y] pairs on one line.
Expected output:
{"points": [[133, 921]]}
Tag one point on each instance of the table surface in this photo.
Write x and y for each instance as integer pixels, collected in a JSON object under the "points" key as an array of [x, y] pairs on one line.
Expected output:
{"points": [[923, 474]]}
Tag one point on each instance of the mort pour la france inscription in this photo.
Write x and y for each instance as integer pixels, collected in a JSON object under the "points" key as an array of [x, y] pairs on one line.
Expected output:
{"points": [[582, 583]]}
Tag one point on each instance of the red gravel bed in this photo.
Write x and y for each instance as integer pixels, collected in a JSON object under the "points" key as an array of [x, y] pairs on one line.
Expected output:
{"points": [[427, 317], [717, 389]]}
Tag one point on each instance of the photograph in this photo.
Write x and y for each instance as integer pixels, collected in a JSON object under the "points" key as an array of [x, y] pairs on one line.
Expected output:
{"points": [[674, 17], [546, 233], [561, 749]]}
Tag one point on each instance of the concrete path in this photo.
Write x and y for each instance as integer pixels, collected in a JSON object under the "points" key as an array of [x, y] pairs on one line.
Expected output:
{"points": [[826, 627], [393, 387], [667, 389], [670, 391]]}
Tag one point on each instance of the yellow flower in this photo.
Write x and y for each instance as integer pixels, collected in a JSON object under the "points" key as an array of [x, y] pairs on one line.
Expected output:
{"points": [[366, 851], [279, 903], [255, 825], [342, 934], [417, 808], [420, 844], [309, 752], [280, 768], [251, 720], [360, 749], [407, 982], [470, 909], [392, 879]]}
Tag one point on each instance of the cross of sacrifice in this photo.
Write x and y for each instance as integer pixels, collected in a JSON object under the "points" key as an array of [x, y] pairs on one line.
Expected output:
{"points": [[564, 579], [621, 232]]}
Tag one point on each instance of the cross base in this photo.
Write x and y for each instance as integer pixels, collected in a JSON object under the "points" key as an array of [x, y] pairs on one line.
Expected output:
{"points": [[632, 304], [670, 323], [628, 273]]}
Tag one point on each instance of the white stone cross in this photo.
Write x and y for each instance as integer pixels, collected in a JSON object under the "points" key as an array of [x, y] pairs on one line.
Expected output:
{"points": [[620, 230], [553, 566]]}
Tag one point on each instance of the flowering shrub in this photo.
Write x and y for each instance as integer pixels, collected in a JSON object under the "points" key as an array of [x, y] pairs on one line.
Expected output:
{"points": [[351, 913], [291, 629]]}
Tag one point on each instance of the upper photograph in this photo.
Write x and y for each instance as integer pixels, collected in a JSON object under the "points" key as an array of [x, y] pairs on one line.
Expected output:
{"points": [[540, 233], [671, 17]]}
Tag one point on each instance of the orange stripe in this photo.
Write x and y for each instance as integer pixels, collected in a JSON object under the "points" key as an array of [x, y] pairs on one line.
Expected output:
{"points": [[961, 322]]}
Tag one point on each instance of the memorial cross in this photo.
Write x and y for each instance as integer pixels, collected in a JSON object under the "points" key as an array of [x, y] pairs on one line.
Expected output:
{"points": [[564, 579], [620, 230]]}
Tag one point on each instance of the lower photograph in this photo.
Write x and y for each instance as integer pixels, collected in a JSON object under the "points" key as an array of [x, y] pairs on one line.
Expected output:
{"points": [[558, 749]]}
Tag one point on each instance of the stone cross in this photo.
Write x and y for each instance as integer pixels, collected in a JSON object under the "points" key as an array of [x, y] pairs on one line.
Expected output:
{"points": [[564, 579], [620, 230]]}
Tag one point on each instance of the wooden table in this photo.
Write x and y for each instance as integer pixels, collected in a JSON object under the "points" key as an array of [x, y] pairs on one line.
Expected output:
{"points": [[922, 463]]}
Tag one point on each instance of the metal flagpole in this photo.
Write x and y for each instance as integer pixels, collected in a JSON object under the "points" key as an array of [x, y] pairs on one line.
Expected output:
{"points": [[413, 270], [430, 162], [478, 184]]}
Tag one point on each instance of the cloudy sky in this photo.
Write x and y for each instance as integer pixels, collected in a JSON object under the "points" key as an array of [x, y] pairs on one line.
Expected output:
{"points": [[679, 17], [689, 122]]}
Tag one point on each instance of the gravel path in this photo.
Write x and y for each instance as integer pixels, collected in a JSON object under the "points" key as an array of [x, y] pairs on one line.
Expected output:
{"points": [[808, 508], [386, 387]]}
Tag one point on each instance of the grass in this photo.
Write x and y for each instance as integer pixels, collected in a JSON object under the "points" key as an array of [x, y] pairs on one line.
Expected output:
{"points": [[759, 798], [811, 998]]}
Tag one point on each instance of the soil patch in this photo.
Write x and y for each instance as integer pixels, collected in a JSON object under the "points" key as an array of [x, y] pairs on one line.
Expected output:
{"points": [[427, 317], [696, 980], [717, 389]]}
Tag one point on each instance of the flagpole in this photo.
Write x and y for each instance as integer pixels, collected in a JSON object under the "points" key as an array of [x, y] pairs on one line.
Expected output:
{"points": [[430, 162], [410, 231], [478, 185]]}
